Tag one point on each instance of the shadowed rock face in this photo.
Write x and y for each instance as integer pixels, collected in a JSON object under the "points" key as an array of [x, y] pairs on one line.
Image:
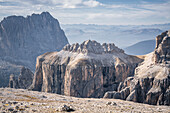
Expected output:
{"points": [[162, 50], [151, 83], [86, 70], [23, 39], [23, 81]]}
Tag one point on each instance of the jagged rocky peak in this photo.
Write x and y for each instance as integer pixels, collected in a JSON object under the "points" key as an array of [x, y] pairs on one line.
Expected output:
{"points": [[25, 38], [92, 47], [111, 48], [162, 50]]}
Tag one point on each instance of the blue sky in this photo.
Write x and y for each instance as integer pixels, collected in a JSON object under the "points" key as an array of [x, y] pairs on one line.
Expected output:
{"points": [[102, 12]]}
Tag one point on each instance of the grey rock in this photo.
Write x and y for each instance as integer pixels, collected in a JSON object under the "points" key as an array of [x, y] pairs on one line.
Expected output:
{"points": [[23, 81], [167, 97], [132, 96], [162, 52], [13, 83], [65, 108], [112, 94], [10, 109]]}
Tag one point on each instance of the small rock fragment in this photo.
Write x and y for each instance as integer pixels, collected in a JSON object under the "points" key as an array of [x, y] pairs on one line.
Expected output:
{"points": [[10, 109], [34, 110], [108, 103], [65, 108]]}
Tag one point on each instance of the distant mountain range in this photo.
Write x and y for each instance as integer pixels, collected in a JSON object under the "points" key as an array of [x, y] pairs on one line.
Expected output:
{"points": [[121, 35], [141, 48]]}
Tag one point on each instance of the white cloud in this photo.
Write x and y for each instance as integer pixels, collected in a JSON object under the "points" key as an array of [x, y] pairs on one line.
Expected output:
{"points": [[85, 11], [71, 3], [92, 3]]}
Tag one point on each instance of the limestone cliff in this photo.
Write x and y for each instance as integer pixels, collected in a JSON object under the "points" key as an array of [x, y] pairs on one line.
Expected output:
{"points": [[151, 83], [86, 70]]}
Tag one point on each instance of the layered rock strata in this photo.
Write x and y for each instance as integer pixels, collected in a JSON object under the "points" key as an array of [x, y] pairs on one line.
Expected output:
{"points": [[83, 70], [151, 83]]}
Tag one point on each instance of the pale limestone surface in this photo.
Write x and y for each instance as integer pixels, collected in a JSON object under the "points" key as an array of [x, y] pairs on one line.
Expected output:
{"points": [[24, 101]]}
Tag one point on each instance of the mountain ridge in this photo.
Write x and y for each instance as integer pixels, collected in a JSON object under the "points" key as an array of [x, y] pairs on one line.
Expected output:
{"points": [[25, 38], [141, 48]]}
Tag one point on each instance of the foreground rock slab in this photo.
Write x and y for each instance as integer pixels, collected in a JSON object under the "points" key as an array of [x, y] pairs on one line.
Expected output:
{"points": [[21, 100]]}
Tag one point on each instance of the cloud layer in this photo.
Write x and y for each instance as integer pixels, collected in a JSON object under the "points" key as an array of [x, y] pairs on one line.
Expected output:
{"points": [[92, 11]]}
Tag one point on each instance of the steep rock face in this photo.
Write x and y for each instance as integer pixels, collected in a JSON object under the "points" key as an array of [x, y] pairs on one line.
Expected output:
{"points": [[151, 83], [23, 81], [85, 70], [23, 39], [162, 52], [26, 38]]}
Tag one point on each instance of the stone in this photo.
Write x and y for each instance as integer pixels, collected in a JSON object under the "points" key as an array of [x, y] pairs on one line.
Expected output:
{"points": [[108, 103], [34, 110], [10, 109], [112, 94], [15, 103], [17, 107], [65, 108], [13, 83], [14, 111], [111, 103]]}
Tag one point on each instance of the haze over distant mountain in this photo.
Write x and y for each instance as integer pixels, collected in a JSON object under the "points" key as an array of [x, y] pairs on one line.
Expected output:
{"points": [[121, 35], [141, 48], [23, 39]]}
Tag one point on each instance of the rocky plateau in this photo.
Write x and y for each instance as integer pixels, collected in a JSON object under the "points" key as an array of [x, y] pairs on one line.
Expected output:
{"points": [[83, 70]]}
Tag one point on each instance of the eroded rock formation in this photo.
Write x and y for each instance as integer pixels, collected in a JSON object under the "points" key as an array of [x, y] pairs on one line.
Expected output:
{"points": [[23, 81], [151, 83], [86, 70]]}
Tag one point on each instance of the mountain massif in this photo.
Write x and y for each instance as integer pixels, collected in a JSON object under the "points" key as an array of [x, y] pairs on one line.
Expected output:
{"points": [[94, 70], [85, 70], [22, 39]]}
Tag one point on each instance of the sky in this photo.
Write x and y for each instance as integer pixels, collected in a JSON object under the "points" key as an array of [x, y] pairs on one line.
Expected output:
{"points": [[102, 12]]}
